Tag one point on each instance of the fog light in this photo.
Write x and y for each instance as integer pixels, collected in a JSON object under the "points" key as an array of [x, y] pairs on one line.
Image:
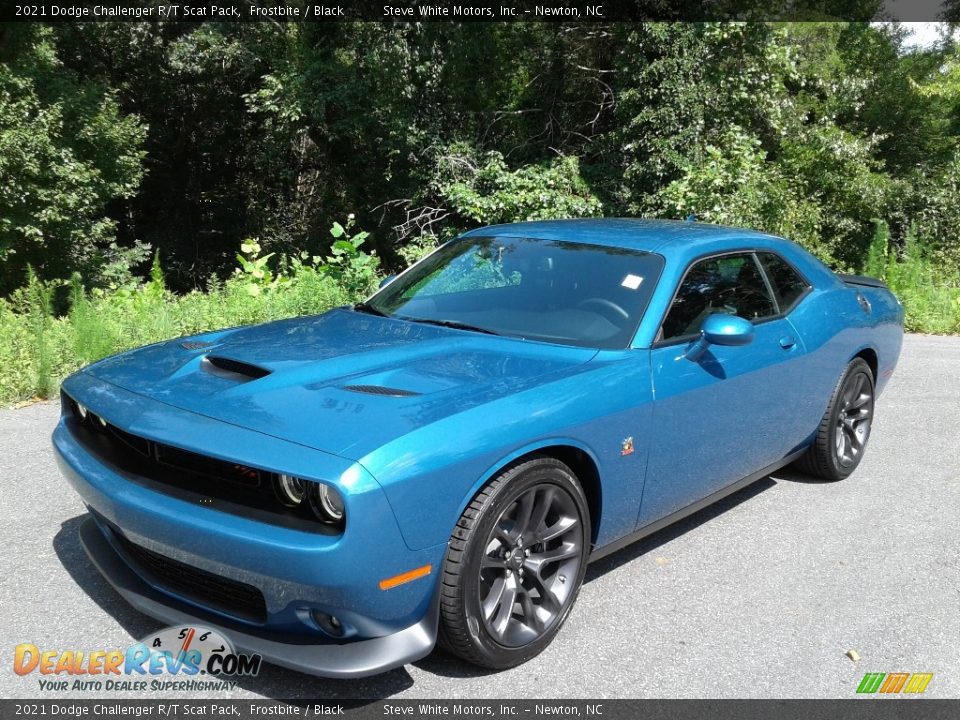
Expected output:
{"points": [[330, 624]]}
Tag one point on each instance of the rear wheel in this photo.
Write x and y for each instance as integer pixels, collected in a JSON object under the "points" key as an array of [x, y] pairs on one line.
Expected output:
{"points": [[515, 565], [843, 433]]}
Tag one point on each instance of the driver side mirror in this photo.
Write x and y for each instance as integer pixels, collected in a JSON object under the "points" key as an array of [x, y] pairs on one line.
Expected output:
{"points": [[720, 329]]}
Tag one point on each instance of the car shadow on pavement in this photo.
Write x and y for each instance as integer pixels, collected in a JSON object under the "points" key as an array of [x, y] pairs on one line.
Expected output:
{"points": [[442, 663], [272, 681], [681, 527], [791, 475]]}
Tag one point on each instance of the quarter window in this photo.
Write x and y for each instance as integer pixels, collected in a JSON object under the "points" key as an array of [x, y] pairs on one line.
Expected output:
{"points": [[730, 284], [787, 284]]}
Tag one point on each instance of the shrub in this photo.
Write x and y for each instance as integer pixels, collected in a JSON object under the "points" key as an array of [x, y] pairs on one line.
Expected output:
{"points": [[929, 293], [38, 350], [483, 190]]}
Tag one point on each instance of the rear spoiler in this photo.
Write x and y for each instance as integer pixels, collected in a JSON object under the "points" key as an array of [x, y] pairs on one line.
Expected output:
{"points": [[862, 280]]}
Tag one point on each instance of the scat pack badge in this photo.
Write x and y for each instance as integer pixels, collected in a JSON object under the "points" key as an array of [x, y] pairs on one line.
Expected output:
{"points": [[177, 650], [626, 447]]}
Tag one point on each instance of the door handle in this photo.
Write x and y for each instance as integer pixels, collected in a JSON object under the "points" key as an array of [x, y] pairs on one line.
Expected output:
{"points": [[787, 342]]}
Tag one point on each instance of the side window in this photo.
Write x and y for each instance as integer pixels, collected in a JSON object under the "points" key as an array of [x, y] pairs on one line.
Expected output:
{"points": [[788, 286], [729, 284]]}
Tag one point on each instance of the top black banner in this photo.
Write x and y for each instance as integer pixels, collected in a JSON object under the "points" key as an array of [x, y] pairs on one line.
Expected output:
{"points": [[569, 11], [604, 709]]}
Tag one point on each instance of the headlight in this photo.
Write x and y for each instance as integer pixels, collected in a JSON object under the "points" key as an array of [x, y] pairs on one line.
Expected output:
{"points": [[290, 490], [324, 500], [326, 503], [81, 411]]}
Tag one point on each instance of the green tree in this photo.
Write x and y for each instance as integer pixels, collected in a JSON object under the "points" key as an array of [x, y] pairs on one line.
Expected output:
{"points": [[66, 153], [484, 190]]}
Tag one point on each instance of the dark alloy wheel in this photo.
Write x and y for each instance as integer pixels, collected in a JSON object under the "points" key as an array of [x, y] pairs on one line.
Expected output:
{"points": [[853, 419], [535, 545], [515, 564], [845, 428]]}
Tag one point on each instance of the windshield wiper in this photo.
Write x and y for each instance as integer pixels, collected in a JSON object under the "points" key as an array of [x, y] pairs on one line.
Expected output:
{"points": [[366, 307], [455, 324]]}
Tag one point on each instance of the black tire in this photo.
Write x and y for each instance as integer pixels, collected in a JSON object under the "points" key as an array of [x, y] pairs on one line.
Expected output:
{"points": [[488, 553], [842, 435]]}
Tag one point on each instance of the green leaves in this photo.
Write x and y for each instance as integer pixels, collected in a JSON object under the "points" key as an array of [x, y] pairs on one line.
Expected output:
{"points": [[353, 269], [349, 267], [483, 190], [255, 268], [262, 131], [66, 151]]}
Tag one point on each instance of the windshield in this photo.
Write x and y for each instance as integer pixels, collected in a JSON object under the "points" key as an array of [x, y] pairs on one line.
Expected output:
{"points": [[561, 292]]}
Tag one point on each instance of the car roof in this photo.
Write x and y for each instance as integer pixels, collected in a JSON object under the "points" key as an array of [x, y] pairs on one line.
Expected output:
{"points": [[635, 233]]}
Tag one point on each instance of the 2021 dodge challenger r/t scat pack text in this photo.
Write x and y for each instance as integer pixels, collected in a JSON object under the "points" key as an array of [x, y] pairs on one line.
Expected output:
{"points": [[442, 461]]}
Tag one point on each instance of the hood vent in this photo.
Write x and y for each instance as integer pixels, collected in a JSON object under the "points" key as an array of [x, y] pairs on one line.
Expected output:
{"points": [[235, 369], [381, 390]]}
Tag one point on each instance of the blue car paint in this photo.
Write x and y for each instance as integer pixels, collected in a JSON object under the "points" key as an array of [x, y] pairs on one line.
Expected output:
{"points": [[726, 330], [408, 466], [311, 359], [615, 383], [710, 425], [294, 570]]}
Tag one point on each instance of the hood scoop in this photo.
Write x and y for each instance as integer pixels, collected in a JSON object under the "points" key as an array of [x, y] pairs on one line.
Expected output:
{"points": [[233, 369], [380, 390]]}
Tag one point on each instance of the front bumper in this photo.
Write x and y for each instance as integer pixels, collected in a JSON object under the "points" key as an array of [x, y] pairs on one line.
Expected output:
{"points": [[348, 660], [298, 573]]}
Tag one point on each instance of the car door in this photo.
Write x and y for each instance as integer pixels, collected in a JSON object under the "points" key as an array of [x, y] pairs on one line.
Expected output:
{"points": [[718, 417]]}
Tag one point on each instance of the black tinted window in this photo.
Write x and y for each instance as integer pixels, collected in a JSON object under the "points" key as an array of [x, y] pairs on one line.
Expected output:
{"points": [[787, 284], [730, 284]]}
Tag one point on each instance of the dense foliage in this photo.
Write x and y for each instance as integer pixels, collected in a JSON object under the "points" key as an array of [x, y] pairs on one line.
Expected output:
{"points": [[119, 141], [67, 150], [39, 348]]}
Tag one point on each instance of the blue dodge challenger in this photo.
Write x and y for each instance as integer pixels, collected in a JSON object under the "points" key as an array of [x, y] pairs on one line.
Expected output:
{"points": [[441, 461]]}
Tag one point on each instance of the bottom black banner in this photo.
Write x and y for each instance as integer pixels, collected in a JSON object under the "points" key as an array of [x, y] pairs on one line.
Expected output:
{"points": [[854, 709]]}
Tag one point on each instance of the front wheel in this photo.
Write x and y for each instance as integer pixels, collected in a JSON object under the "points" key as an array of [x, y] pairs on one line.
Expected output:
{"points": [[515, 565], [843, 433]]}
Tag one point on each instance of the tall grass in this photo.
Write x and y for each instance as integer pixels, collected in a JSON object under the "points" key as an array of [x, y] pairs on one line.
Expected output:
{"points": [[39, 349], [930, 294]]}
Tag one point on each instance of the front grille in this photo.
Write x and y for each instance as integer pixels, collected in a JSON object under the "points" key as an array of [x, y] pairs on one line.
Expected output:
{"points": [[206, 466], [202, 587], [213, 483], [99, 434], [132, 441]]}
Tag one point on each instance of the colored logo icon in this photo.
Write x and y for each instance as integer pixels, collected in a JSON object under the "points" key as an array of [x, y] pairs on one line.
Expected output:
{"points": [[893, 683]]}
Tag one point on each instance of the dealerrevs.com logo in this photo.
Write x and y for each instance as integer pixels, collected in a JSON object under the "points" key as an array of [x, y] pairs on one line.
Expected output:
{"points": [[175, 652]]}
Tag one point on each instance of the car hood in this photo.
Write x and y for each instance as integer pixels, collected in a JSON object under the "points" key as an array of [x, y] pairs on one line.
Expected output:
{"points": [[342, 382]]}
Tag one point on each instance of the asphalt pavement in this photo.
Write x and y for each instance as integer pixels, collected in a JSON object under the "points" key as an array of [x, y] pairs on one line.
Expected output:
{"points": [[760, 596]]}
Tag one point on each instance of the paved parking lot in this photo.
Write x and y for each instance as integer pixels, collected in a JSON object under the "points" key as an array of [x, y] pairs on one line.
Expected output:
{"points": [[759, 596]]}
